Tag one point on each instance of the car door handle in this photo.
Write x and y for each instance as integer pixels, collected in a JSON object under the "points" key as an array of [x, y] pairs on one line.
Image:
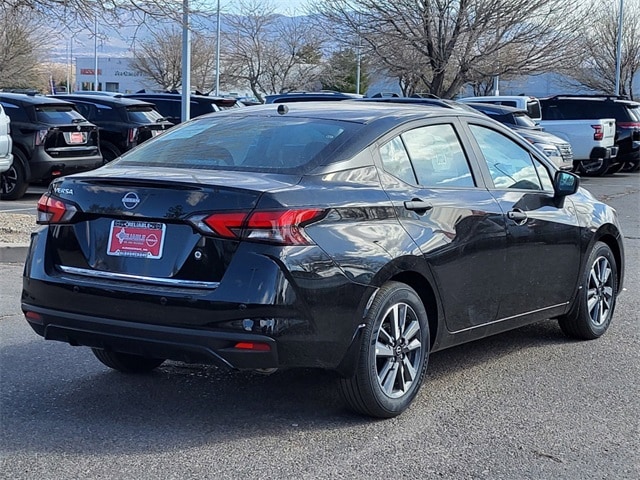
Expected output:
{"points": [[517, 216], [417, 205]]}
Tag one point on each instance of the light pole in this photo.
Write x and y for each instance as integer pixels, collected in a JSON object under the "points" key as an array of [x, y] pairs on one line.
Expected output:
{"points": [[218, 50], [619, 48], [95, 53], [186, 62]]}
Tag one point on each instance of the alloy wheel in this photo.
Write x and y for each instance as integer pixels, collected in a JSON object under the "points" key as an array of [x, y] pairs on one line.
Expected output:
{"points": [[9, 180], [398, 350], [600, 291]]}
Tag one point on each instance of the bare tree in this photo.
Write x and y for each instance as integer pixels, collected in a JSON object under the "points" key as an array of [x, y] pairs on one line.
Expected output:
{"points": [[269, 52], [599, 45], [160, 59], [23, 40], [451, 40]]}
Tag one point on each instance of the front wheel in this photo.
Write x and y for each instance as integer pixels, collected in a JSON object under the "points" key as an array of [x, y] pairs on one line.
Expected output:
{"points": [[393, 356], [591, 314], [126, 363]]}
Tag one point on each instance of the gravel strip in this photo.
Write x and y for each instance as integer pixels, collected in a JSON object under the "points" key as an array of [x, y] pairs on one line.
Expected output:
{"points": [[16, 228]]}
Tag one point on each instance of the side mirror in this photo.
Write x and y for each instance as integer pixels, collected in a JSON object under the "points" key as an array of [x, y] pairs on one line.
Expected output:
{"points": [[565, 183]]}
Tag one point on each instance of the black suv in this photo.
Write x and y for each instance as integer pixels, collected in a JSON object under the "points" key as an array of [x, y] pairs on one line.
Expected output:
{"points": [[170, 104], [50, 139], [123, 122], [625, 112]]}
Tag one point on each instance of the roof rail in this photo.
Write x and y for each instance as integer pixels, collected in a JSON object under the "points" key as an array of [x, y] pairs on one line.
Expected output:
{"points": [[591, 95]]}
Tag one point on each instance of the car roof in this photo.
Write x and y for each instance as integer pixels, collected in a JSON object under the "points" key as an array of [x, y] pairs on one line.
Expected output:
{"points": [[171, 95], [105, 100], [33, 99], [499, 109], [309, 96], [359, 112]]}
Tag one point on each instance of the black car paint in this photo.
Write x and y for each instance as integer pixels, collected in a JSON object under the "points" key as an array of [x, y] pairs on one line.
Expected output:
{"points": [[309, 301]]}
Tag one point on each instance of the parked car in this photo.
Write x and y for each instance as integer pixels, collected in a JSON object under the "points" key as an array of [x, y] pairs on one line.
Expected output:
{"points": [[529, 104], [554, 147], [355, 237], [324, 95], [170, 104], [50, 139], [558, 150], [123, 122], [625, 113], [6, 144]]}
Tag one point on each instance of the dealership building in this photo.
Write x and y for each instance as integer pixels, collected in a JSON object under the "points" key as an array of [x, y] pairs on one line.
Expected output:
{"points": [[114, 75]]}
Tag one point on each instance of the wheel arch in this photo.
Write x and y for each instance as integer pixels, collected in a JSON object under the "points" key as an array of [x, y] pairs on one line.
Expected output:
{"points": [[24, 160], [610, 238]]}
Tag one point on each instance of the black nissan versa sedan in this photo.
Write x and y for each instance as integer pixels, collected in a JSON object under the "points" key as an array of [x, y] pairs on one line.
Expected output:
{"points": [[345, 236]]}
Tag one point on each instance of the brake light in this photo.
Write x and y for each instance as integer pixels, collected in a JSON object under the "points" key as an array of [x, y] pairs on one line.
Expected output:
{"points": [[53, 210], [599, 132], [41, 136], [283, 227], [628, 124]]}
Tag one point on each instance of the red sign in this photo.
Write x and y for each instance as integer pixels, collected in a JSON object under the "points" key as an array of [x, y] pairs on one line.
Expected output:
{"points": [[136, 239], [90, 71]]}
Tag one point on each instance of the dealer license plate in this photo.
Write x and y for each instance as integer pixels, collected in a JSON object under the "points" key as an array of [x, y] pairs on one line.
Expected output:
{"points": [[136, 239]]}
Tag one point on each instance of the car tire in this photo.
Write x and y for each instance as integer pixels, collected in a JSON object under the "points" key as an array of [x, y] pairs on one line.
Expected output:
{"points": [[393, 356], [594, 168], [126, 363], [615, 168], [593, 308], [13, 184], [632, 166], [109, 152]]}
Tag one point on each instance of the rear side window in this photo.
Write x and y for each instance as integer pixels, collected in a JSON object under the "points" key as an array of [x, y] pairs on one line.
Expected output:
{"points": [[57, 114], [16, 113], [437, 156], [264, 144]]}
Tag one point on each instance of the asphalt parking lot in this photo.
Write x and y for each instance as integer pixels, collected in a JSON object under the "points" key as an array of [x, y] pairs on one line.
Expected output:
{"points": [[527, 404]]}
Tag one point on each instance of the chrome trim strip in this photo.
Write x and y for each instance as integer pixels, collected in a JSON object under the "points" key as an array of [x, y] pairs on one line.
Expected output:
{"points": [[511, 318], [139, 278]]}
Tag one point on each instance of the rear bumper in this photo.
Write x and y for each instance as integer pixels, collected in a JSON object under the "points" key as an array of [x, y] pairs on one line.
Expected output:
{"points": [[155, 341], [44, 167], [603, 153]]}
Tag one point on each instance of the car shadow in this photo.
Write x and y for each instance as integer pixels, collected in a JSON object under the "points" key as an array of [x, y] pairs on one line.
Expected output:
{"points": [[64, 393]]}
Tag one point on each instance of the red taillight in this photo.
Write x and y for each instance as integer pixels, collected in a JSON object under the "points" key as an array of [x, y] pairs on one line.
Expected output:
{"points": [[255, 346], [53, 210], [628, 124], [281, 226], [599, 132]]}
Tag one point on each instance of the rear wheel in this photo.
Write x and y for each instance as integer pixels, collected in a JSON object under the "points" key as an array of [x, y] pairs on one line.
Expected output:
{"points": [[393, 356], [632, 166], [109, 152], [615, 168], [124, 362], [594, 168], [13, 183], [591, 314]]}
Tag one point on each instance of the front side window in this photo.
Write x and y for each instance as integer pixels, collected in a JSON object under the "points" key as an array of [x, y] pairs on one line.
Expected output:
{"points": [[437, 156], [510, 165]]}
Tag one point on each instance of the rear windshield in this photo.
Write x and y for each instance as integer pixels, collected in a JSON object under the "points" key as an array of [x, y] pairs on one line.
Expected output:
{"points": [[57, 114], [248, 143], [143, 114]]}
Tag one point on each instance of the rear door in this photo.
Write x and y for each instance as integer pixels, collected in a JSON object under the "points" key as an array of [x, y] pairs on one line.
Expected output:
{"points": [[457, 224]]}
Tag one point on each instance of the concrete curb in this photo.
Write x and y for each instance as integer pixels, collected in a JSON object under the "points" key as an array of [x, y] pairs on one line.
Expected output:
{"points": [[13, 252]]}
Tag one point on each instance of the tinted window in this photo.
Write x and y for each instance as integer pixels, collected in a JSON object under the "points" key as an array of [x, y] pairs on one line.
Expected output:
{"points": [[437, 156], [278, 144], [143, 114], [57, 114], [16, 113], [510, 165], [533, 109], [396, 161]]}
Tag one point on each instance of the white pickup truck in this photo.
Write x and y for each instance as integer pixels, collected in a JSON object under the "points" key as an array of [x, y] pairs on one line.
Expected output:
{"points": [[592, 141]]}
